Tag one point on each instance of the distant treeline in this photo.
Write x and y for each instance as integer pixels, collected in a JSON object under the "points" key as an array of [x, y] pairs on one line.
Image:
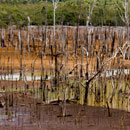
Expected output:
{"points": [[15, 12], [25, 1]]}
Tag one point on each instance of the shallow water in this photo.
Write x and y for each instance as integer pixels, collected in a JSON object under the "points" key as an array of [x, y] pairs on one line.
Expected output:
{"points": [[120, 100], [78, 117], [16, 76]]}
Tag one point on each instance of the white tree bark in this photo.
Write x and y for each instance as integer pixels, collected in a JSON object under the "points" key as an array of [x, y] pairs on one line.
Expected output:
{"points": [[55, 2], [90, 12], [28, 20]]}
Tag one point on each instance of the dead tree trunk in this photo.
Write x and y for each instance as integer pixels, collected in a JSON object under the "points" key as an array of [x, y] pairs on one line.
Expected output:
{"points": [[20, 49], [86, 90], [3, 38]]}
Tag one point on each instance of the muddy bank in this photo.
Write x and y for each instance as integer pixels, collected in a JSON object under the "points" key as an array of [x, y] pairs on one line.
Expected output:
{"points": [[77, 117]]}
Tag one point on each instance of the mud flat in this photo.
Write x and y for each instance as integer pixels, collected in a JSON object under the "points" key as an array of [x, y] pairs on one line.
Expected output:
{"points": [[77, 117]]}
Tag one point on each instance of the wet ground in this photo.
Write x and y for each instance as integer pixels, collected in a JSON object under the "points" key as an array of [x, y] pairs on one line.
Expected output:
{"points": [[63, 117]]}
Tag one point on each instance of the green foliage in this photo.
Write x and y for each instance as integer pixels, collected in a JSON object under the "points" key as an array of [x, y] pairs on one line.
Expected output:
{"points": [[15, 12]]}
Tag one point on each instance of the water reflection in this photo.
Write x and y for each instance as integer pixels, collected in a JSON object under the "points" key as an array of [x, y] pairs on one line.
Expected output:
{"points": [[28, 77]]}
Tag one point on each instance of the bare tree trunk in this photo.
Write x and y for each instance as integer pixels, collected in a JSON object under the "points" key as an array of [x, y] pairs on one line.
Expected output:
{"points": [[86, 91], [3, 38], [54, 40], [77, 31], [20, 49]]}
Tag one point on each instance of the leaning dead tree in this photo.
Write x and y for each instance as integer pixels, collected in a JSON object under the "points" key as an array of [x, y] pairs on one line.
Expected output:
{"points": [[101, 69]]}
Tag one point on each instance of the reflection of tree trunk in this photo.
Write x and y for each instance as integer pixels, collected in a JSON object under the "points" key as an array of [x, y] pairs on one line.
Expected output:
{"points": [[41, 83], [113, 43], [98, 94], [86, 88], [51, 49], [33, 43], [86, 92], [20, 67], [56, 71], [81, 69]]}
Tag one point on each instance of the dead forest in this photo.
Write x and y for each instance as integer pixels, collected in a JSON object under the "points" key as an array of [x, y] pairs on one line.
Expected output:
{"points": [[74, 65]]}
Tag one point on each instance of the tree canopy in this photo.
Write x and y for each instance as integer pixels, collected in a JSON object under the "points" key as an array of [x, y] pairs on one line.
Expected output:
{"points": [[15, 12]]}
